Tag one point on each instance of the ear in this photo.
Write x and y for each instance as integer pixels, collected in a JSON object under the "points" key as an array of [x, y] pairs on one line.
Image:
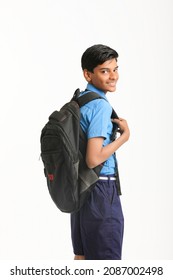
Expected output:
{"points": [[87, 75]]}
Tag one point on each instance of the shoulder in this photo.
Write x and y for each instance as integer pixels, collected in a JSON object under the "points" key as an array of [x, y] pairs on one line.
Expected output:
{"points": [[96, 109], [101, 105], [98, 104]]}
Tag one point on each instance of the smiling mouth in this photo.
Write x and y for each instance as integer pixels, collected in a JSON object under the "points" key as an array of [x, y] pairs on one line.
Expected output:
{"points": [[112, 84]]}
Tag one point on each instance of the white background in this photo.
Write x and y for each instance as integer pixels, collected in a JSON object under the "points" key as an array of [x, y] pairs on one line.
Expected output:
{"points": [[41, 43]]}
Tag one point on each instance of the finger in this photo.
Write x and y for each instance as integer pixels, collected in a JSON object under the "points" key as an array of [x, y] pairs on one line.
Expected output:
{"points": [[115, 120]]}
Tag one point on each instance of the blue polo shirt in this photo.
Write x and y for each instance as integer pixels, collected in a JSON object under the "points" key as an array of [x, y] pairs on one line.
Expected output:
{"points": [[96, 122]]}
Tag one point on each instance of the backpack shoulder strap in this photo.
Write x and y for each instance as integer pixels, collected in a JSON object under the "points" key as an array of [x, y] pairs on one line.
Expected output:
{"points": [[114, 115], [84, 99]]}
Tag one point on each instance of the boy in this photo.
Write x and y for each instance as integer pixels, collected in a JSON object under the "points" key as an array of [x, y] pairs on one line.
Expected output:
{"points": [[97, 229]]}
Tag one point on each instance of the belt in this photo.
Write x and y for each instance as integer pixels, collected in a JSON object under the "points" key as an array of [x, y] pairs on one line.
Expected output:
{"points": [[107, 178]]}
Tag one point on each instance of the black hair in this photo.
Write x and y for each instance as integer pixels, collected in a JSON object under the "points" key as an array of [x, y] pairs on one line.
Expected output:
{"points": [[96, 55]]}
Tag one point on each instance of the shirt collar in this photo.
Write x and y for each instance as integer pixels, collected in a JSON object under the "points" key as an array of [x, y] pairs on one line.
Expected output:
{"points": [[90, 87]]}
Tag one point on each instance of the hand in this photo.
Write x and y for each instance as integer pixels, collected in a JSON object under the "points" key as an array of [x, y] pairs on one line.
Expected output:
{"points": [[123, 127]]}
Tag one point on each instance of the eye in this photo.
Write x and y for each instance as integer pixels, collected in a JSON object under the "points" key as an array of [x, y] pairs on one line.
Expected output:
{"points": [[116, 69], [105, 71]]}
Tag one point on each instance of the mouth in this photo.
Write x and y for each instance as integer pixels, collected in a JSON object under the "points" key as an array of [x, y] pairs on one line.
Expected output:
{"points": [[112, 84]]}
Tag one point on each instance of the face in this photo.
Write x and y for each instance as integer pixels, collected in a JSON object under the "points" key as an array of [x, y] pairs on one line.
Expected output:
{"points": [[104, 76]]}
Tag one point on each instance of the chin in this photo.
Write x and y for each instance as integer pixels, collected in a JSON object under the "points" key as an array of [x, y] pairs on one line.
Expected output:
{"points": [[112, 89]]}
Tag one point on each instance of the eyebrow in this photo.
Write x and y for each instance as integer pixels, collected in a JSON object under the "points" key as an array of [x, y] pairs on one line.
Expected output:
{"points": [[105, 68]]}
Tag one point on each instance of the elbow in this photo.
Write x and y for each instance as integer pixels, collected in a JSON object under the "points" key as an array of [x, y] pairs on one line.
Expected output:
{"points": [[91, 163], [90, 166]]}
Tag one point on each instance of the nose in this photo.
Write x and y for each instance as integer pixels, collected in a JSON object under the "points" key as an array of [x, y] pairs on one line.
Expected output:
{"points": [[113, 75]]}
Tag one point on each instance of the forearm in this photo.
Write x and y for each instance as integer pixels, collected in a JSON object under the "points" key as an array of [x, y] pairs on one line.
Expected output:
{"points": [[109, 149], [94, 158]]}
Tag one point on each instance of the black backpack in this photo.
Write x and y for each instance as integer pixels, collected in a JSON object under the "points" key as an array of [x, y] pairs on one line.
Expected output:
{"points": [[63, 150]]}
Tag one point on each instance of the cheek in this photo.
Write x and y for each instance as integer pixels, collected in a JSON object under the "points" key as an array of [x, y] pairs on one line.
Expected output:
{"points": [[103, 79]]}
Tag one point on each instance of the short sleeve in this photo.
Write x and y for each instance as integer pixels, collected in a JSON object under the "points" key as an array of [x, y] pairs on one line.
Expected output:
{"points": [[99, 119]]}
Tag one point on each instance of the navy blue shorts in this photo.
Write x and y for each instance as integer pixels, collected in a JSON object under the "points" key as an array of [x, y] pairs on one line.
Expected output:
{"points": [[97, 229]]}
